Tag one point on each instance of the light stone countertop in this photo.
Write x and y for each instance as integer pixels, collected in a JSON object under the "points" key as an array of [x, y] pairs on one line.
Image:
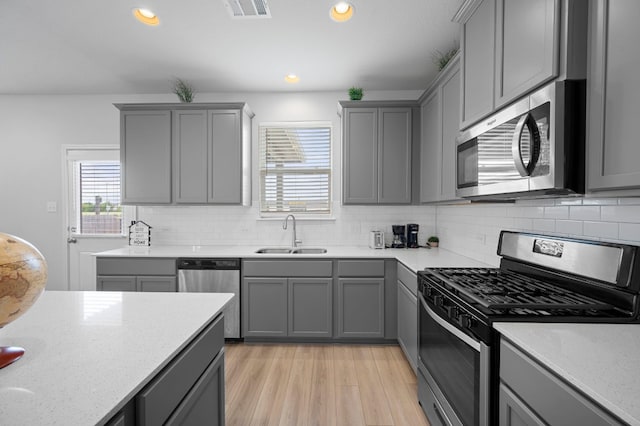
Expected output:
{"points": [[88, 353], [414, 259], [602, 360]]}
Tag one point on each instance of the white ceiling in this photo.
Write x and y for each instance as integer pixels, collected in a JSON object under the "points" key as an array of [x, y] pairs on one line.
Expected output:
{"points": [[96, 46]]}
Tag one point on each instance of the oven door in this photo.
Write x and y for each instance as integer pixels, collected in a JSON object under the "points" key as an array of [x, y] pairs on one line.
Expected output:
{"points": [[453, 372]]}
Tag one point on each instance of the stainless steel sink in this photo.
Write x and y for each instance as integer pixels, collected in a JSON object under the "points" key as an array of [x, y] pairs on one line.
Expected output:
{"points": [[287, 250], [274, 250], [308, 250]]}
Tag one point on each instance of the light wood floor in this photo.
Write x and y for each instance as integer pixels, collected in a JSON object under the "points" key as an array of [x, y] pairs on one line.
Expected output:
{"points": [[333, 384]]}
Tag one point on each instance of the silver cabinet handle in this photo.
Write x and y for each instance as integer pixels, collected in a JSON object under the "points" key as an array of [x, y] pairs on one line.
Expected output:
{"points": [[72, 240]]}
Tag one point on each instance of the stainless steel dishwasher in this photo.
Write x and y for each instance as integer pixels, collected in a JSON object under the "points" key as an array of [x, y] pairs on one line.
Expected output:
{"points": [[204, 275]]}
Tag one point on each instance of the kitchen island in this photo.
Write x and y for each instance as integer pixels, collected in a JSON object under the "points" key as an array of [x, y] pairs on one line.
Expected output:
{"points": [[90, 355]]}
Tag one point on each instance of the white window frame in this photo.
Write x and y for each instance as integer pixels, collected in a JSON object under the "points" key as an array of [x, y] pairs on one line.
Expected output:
{"points": [[301, 214]]}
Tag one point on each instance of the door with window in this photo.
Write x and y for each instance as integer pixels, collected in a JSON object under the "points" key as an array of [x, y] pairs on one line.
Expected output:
{"points": [[95, 218]]}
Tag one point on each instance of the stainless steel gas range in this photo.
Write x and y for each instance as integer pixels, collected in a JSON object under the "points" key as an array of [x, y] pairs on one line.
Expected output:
{"points": [[540, 279]]}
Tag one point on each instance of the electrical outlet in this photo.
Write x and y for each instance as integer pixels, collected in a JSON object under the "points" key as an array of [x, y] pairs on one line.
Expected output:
{"points": [[52, 207]]}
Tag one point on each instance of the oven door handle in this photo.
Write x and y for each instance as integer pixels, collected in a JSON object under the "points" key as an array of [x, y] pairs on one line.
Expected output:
{"points": [[450, 328]]}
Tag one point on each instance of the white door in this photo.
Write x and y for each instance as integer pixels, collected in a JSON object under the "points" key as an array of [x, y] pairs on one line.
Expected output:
{"points": [[96, 221]]}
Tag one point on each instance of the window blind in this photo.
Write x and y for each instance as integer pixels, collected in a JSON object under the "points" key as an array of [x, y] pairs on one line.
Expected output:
{"points": [[295, 168], [98, 187]]}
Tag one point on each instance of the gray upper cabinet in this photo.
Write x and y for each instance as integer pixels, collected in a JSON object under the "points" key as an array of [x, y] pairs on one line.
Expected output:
{"points": [[477, 43], [377, 143], [527, 42], [190, 156], [614, 97], [440, 109], [208, 160], [509, 47], [145, 155]]}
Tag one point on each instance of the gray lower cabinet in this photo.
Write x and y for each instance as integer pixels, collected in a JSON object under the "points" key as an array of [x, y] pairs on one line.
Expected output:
{"points": [[310, 307], [360, 307], [190, 390], [377, 152], [440, 111], [408, 314], [136, 274], [264, 307], [287, 298], [614, 97], [185, 153], [532, 395]]}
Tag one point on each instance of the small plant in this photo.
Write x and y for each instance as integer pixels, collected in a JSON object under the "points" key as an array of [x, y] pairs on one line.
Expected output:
{"points": [[355, 93], [183, 90], [442, 59], [433, 241]]}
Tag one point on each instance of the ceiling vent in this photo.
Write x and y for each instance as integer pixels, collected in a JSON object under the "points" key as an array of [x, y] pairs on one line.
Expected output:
{"points": [[248, 8]]}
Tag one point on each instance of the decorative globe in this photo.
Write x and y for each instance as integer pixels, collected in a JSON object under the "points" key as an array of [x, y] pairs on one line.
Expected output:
{"points": [[23, 276]]}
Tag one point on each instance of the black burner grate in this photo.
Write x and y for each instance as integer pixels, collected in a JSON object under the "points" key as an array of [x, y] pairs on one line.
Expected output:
{"points": [[500, 289]]}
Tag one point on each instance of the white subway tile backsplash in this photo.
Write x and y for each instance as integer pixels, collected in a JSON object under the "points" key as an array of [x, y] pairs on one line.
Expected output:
{"points": [[569, 227], [600, 201], [544, 225], [620, 213], [556, 212], [584, 212], [629, 201], [630, 232], [602, 230]]}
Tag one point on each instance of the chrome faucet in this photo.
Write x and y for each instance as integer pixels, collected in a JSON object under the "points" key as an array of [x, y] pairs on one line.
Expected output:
{"points": [[294, 240]]}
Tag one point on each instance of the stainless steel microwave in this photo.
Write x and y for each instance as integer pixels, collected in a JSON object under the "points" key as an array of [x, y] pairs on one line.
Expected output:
{"points": [[533, 148]]}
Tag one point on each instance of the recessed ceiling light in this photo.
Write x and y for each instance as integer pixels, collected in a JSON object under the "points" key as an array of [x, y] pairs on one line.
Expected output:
{"points": [[146, 16], [292, 78], [341, 11]]}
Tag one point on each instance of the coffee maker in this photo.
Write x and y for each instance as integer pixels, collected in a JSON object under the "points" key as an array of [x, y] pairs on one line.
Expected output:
{"points": [[399, 240], [412, 235]]}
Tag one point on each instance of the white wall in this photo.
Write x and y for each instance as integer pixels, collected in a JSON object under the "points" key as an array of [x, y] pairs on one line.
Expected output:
{"points": [[473, 229], [33, 130]]}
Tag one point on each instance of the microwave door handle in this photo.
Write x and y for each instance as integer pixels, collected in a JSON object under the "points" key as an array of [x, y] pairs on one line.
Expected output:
{"points": [[515, 146]]}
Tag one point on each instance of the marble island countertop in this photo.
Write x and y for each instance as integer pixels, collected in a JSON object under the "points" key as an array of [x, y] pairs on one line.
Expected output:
{"points": [[87, 353], [414, 259], [601, 360]]}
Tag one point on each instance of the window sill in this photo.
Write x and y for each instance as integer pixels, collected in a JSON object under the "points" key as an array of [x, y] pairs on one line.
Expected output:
{"points": [[311, 218]]}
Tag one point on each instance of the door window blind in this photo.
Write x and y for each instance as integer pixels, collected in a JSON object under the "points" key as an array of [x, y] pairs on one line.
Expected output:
{"points": [[295, 168], [97, 187]]}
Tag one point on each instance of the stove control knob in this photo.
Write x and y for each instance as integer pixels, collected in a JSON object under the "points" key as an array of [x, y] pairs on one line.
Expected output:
{"points": [[452, 311], [438, 300], [465, 320]]}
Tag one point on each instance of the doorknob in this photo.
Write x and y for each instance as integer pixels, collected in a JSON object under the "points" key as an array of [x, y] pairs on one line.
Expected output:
{"points": [[72, 240]]}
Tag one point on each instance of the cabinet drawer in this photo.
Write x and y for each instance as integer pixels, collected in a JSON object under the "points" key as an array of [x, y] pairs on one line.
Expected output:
{"points": [[408, 278], [159, 399], [135, 266], [361, 268], [287, 268], [547, 395]]}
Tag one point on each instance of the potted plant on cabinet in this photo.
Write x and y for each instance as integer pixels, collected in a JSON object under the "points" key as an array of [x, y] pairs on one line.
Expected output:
{"points": [[433, 241]]}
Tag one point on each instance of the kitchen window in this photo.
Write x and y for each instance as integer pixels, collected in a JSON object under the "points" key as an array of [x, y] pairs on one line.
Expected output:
{"points": [[295, 168]]}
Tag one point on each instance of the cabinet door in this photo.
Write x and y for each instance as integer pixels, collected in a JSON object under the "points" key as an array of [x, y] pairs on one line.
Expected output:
{"points": [[394, 155], [477, 39], [360, 156], [190, 156], [450, 129], [155, 283], [614, 96], [527, 34], [514, 412], [225, 157], [361, 307], [264, 307], [408, 324], [430, 164], [204, 404], [145, 152], [310, 307], [117, 283]]}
